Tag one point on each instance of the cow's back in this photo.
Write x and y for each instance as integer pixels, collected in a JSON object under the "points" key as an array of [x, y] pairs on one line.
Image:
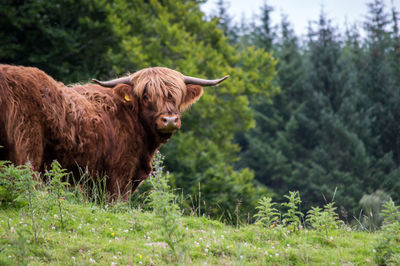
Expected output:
{"points": [[22, 121]]}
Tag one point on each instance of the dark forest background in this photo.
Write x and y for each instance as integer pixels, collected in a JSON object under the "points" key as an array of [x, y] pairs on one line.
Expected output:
{"points": [[319, 114]]}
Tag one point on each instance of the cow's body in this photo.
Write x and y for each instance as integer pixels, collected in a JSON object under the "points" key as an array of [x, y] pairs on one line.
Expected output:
{"points": [[112, 131]]}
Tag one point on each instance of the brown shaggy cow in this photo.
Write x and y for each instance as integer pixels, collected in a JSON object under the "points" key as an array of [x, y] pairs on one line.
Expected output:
{"points": [[114, 128]]}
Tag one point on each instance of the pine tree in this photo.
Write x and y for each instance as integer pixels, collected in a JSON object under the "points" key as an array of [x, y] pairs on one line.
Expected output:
{"points": [[379, 84], [68, 39]]}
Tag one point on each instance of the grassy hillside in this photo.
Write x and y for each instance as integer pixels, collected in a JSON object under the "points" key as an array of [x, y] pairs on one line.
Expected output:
{"points": [[55, 224], [128, 236]]}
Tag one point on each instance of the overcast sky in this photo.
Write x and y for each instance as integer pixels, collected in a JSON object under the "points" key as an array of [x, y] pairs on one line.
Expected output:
{"points": [[300, 12]]}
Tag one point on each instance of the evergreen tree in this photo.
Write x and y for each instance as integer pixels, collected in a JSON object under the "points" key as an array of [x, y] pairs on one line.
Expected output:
{"points": [[380, 85], [68, 39]]}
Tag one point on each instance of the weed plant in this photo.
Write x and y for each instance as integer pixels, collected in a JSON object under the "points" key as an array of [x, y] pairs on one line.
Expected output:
{"points": [[57, 190], [267, 214], [388, 243], [293, 217], [163, 202], [323, 220]]}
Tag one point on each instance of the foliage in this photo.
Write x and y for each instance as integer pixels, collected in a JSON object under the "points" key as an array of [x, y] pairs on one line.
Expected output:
{"points": [[334, 124], [21, 182], [267, 215], [68, 39], [323, 220], [163, 203], [372, 205], [57, 190], [293, 217], [388, 243], [120, 234]]}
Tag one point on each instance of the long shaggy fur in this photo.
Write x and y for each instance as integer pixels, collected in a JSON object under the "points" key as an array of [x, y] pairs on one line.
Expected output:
{"points": [[110, 131]]}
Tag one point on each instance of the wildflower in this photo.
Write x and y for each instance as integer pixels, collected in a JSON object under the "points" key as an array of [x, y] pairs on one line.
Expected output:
{"points": [[206, 249], [288, 245], [92, 260], [113, 264], [272, 226], [140, 262], [53, 227], [27, 241], [222, 236], [241, 257], [116, 238], [140, 256], [374, 250], [126, 231], [12, 229], [276, 255], [73, 258], [112, 234], [331, 238], [55, 216]]}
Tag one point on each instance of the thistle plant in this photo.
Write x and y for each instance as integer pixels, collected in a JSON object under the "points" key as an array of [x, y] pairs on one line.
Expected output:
{"points": [[323, 219], [267, 215], [293, 216], [57, 189], [21, 183], [163, 203]]}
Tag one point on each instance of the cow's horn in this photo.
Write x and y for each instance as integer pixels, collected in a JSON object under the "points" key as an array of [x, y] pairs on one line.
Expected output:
{"points": [[114, 82], [203, 82]]}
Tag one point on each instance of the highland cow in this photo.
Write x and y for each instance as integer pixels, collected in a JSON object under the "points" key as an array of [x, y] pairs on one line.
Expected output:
{"points": [[113, 128]]}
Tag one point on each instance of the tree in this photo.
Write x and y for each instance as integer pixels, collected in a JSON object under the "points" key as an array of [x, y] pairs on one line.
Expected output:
{"points": [[68, 39], [175, 34]]}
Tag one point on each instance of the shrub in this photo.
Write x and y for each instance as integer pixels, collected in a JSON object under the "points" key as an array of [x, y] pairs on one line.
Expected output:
{"points": [[372, 206], [388, 243], [323, 220]]}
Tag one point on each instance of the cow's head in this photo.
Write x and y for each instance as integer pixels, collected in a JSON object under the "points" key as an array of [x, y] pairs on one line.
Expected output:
{"points": [[160, 96]]}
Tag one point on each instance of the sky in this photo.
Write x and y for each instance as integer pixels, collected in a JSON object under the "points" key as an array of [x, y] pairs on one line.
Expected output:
{"points": [[300, 12]]}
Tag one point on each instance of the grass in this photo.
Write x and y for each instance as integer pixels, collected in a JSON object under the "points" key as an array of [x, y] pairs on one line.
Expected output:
{"points": [[106, 236], [42, 224]]}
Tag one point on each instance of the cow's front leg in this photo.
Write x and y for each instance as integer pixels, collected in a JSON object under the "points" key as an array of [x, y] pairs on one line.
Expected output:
{"points": [[119, 186]]}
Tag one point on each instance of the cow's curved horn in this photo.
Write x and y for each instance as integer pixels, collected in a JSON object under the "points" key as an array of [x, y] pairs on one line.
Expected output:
{"points": [[114, 82], [203, 82]]}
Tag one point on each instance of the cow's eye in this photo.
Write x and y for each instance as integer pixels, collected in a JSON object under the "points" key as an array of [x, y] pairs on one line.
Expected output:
{"points": [[145, 99]]}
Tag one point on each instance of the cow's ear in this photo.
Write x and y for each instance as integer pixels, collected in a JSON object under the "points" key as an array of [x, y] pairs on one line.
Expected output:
{"points": [[124, 92], [193, 93]]}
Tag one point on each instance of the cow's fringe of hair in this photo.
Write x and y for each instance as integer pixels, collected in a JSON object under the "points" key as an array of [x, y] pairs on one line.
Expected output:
{"points": [[159, 81]]}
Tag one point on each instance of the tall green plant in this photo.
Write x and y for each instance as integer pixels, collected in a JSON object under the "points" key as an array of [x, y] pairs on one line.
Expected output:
{"points": [[57, 189], [267, 214], [163, 202], [323, 220], [21, 182], [293, 217], [388, 243]]}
